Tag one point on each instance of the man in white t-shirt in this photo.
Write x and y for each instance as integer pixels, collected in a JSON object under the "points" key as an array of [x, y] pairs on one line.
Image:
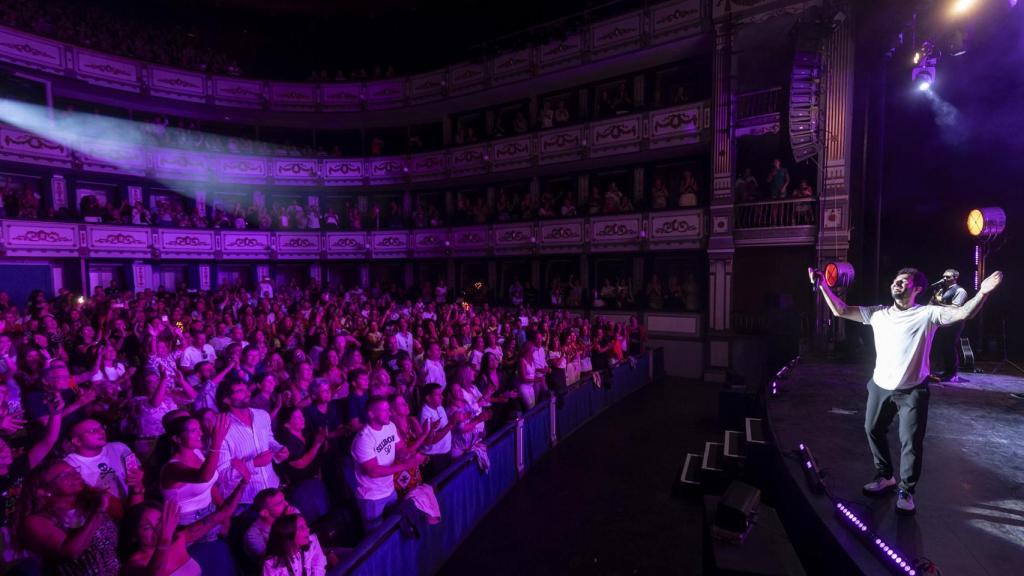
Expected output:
{"points": [[433, 367], [108, 466], [379, 454], [197, 351], [403, 337], [899, 385], [438, 445]]}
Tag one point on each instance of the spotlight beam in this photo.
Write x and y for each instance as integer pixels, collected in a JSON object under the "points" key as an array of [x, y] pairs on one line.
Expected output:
{"points": [[86, 134]]}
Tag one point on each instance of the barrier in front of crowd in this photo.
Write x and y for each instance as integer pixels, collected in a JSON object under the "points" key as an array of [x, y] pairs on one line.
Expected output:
{"points": [[466, 494]]}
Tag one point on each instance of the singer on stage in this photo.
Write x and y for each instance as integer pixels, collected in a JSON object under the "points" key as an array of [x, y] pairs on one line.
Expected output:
{"points": [[899, 384], [948, 293]]}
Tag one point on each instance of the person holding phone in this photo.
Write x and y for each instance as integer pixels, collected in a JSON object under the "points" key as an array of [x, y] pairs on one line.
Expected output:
{"points": [[108, 466]]}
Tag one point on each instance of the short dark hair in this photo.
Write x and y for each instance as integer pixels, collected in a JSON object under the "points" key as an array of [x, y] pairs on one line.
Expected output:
{"points": [[355, 373], [224, 389], [375, 399], [262, 497], [916, 276], [431, 388]]}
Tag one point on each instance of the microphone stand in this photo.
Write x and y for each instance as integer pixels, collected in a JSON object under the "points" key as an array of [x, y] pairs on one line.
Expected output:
{"points": [[1006, 360]]}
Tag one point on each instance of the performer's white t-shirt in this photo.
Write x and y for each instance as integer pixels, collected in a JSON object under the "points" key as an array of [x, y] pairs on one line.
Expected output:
{"points": [[903, 340]]}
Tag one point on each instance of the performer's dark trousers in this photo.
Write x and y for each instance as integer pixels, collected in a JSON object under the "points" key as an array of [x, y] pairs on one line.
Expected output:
{"points": [[947, 340], [912, 406]]}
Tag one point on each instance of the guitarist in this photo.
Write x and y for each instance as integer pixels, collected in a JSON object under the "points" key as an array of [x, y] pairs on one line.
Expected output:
{"points": [[949, 294]]}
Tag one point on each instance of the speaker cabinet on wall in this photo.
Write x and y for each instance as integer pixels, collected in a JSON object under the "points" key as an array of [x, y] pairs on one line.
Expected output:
{"points": [[804, 82]]}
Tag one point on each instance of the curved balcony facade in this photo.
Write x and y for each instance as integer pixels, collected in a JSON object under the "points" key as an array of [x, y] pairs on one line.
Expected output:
{"points": [[659, 24], [675, 230], [668, 127]]}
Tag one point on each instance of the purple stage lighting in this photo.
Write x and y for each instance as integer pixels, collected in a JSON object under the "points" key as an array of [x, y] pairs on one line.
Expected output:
{"points": [[811, 472], [896, 562]]}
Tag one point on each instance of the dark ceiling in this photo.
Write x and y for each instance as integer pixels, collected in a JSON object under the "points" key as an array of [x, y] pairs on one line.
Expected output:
{"points": [[287, 39]]}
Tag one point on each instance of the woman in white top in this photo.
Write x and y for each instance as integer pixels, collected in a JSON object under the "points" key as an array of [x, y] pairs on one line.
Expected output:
{"points": [[292, 550], [187, 477], [528, 376], [110, 376], [465, 390]]}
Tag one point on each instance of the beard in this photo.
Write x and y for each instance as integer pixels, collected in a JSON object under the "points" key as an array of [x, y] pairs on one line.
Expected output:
{"points": [[903, 297]]}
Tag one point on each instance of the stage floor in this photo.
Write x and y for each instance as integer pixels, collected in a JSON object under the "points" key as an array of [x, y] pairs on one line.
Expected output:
{"points": [[970, 501]]}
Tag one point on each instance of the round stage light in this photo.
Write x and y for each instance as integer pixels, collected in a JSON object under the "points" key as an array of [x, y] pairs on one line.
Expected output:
{"points": [[961, 7], [986, 222], [839, 274]]}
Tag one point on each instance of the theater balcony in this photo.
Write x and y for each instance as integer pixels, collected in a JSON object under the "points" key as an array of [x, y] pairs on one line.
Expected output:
{"points": [[786, 222]]}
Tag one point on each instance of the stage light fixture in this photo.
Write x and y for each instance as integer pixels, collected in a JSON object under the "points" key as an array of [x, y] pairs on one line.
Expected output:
{"points": [[896, 562], [811, 472], [986, 223], [961, 7], [839, 274], [925, 61]]}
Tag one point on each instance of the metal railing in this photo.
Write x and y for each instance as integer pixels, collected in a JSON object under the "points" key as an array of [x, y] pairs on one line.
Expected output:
{"points": [[758, 103], [777, 213]]}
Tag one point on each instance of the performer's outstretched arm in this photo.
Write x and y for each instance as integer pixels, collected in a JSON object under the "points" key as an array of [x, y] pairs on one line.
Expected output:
{"points": [[835, 304], [949, 315]]}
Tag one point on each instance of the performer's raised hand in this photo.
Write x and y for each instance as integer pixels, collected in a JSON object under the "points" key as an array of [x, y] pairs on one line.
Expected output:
{"points": [[991, 283], [813, 274]]}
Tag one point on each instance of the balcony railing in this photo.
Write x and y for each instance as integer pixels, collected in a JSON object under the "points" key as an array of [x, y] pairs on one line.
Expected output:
{"points": [[667, 127], [759, 103], [682, 229], [777, 213], [660, 23]]}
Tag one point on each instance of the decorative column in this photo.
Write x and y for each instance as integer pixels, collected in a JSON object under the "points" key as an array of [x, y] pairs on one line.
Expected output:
{"points": [[834, 171], [721, 249], [142, 276], [364, 276], [638, 185], [205, 276], [134, 194], [492, 278], [407, 204], [262, 271], [409, 274], [315, 275], [58, 192], [201, 202]]}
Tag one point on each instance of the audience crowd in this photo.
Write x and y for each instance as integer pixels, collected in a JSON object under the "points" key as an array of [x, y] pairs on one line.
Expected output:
{"points": [[260, 431], [91, 26], [21, 200]]}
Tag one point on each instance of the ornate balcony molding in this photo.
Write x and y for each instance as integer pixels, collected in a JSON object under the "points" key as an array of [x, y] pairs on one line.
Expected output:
{"points": [[657, 24], [676, 126], [678, 229]]}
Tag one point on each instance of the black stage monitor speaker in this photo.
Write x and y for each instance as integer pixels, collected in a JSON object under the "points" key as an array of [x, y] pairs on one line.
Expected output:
{"points": [[737, 505]]}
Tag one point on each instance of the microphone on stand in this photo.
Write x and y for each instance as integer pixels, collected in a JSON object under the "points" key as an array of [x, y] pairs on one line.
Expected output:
{"points": [[937, 283], [817, 282]]}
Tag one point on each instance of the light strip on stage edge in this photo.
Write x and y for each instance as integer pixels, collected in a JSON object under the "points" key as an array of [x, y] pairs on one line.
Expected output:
{"points": [[897, 562]]}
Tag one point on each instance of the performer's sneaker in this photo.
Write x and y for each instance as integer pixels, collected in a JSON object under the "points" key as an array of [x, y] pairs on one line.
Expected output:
{"points": [[880, 485], [1018, 395], [905, 503]]}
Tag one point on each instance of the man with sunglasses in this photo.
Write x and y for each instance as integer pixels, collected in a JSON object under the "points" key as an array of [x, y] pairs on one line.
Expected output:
{"points": [[947, 338]]}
